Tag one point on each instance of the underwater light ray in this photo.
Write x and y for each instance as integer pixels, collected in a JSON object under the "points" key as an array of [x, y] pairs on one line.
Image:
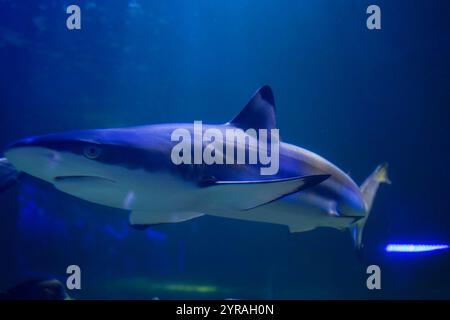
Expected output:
{"points": [[413, 248]]}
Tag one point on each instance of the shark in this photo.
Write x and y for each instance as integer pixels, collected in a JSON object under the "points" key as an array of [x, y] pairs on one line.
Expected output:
{"points": [[131, 168]]}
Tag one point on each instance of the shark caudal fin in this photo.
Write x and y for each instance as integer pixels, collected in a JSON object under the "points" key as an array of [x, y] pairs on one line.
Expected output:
{"points": [[369, 189], [8, 174]]}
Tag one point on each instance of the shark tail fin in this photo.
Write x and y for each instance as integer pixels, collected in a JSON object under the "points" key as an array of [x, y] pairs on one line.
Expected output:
{"points": [[8, 174], [369, 190]]}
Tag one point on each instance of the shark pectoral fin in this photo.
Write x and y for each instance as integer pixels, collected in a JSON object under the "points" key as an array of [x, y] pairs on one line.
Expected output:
{"points": [[302, 228], [143, 218], [246, 195]]}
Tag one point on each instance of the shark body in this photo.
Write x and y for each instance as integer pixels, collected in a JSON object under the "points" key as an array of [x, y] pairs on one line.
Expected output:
{"points": [[131, 169]]}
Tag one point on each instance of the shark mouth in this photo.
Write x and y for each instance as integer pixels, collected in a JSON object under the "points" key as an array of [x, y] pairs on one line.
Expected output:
{"points": [[81, 178]]}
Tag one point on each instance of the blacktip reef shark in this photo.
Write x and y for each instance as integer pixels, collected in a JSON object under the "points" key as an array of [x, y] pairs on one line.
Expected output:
{"points": [[131, 168]]}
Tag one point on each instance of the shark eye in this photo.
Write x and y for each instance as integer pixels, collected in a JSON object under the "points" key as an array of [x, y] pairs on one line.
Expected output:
{"points": [[92, 152]]}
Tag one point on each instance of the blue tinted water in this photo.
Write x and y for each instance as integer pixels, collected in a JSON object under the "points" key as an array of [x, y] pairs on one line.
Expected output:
{"points": [[355, 96]]}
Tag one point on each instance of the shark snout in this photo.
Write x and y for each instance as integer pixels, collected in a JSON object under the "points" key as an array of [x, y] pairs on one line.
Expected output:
{"points": [[56, 158], [36, 157], [26, 142], [34, 160]]}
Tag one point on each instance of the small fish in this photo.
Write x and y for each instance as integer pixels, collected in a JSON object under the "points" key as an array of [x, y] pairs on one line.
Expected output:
{"points": [[37, 289]]}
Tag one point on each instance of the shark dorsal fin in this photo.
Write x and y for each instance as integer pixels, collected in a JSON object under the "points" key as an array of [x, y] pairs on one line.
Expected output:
{"points": [[259, 112]]}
